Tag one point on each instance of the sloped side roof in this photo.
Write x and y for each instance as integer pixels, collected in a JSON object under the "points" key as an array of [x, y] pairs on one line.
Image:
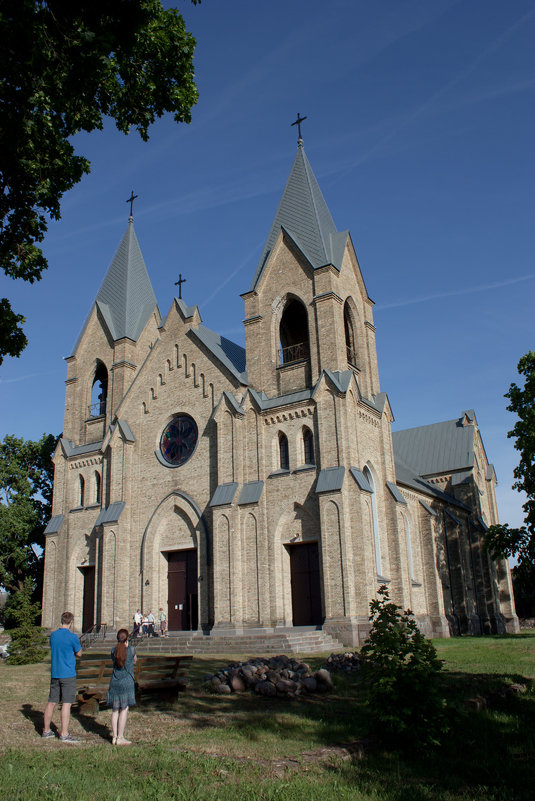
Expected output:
{"points": [[303, 213], [227, 352], [126, 298], [437, 448]]}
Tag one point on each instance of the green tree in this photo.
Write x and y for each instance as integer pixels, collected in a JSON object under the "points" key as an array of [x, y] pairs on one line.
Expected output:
{"points": [[26, 475], [28, 641], [502, 541], [64, 65], [400, 671]]}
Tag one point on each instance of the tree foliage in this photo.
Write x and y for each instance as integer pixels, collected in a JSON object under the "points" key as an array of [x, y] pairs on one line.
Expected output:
{"points": [[400, 670], [27, 645], [64, 65], [26, 475], [503, 541]]}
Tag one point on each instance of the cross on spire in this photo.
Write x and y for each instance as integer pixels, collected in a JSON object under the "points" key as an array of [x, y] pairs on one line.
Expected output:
{"points": [[179, 285], [131, 201], [298, 122]]}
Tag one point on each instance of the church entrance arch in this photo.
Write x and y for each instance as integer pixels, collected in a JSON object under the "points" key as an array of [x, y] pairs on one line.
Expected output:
{"points": [[174, 563], [299, 567], [182, 596], [305, 581]]}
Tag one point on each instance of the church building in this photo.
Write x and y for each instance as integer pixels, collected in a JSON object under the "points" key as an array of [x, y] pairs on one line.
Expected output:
{"points": [[261, 490]]}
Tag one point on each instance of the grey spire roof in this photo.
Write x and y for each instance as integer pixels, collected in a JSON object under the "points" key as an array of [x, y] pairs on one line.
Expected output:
{"points": [[304, 215], [126, 298]]}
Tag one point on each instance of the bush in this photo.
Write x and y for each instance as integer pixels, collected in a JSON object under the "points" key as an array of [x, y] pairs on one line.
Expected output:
{"points": [[28, 641], [400, 671]]}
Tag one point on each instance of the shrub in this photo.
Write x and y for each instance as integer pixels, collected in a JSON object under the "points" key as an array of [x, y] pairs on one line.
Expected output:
{"points": [[28, 641], [400, 671]]}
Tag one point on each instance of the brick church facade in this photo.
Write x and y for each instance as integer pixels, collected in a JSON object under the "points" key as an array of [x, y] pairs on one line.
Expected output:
{"points": [[262, 489]]}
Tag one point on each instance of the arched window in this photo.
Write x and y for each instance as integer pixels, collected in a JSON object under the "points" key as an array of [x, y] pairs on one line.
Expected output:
{"points": [[409, 547], [375, 522], [82, 491], [293, 331], [284, 454], [99, 391], [308, 446], [350, 335], [97, 486]]}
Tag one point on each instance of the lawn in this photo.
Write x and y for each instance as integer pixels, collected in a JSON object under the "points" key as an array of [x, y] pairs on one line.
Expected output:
{"points": [[236, 747]]}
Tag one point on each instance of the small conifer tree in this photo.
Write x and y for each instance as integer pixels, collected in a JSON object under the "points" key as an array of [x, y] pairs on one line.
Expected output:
{"points": [[400, 670], [28, 641]]}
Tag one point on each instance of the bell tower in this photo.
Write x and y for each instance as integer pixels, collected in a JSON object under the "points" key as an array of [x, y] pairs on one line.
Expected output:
{"points": [[308, 309], [116, 337]]}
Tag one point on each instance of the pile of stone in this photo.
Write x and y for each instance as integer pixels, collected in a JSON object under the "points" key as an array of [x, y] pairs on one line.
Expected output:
{"points": [[343, 663], [279, 676]]}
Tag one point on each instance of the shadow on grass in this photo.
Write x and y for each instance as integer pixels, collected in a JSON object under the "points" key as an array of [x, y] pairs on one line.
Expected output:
{"points": [[89, 723]]}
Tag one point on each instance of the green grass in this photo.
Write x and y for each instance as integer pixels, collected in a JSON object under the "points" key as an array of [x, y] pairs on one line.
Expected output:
{"points": [[229, 748]]}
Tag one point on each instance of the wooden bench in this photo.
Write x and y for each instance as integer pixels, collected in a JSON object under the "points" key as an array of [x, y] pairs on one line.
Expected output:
{"points": [[152, 674]]}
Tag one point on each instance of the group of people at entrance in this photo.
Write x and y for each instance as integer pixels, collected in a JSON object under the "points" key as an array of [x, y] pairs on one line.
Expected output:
{"points": [[146, 624], [64, 648]]}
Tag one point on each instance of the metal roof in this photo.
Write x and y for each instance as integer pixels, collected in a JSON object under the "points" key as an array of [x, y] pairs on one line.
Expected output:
{"points": [[437, 448], [224, 494], [396, 494], [110, 514], [304, 215], [126, 298], [330, 479], [71, 449], [227, 352], [361, 479], [126, 431], [428, 508], [250, 492], [54, 524]]}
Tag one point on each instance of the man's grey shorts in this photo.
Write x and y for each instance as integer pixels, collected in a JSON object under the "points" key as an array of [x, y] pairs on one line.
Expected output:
{"points": [[63, 690]]}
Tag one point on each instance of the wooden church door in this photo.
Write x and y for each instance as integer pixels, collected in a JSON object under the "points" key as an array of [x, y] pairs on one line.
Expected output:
{"points": [[182, 604], [88, 606], [306, 590]]}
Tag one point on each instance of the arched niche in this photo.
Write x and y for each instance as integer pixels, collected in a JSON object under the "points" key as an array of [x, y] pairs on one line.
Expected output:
{"points": [[99, 390], [294, 339]]}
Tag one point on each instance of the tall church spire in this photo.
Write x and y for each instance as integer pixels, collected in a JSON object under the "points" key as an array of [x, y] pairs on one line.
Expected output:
{"points": [[304, 215], [126, 298]]}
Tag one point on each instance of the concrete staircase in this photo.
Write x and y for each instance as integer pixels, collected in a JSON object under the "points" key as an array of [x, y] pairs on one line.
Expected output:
{"points": [[253, 642]]}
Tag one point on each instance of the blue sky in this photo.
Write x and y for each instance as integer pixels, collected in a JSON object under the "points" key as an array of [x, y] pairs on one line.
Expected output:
{"points": [[420, 130]]}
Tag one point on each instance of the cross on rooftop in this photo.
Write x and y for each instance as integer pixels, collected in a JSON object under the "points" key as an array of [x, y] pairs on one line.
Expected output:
{"points": [[298, 122], [179, 285], [131, 201]]}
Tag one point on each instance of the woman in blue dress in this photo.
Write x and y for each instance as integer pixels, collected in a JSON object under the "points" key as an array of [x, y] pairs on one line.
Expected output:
{"points": [[122, 691]]}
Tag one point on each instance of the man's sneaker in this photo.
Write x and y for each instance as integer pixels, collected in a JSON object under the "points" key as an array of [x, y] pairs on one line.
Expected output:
{"points": [[46, 734], [68, 738]]}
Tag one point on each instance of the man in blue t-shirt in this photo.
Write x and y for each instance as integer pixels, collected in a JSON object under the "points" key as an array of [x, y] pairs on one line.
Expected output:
{"points": [[64, 648]]}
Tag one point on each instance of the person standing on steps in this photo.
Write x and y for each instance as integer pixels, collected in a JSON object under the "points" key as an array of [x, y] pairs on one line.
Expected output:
{"points": [[163, 622], [122, 691], [64, 648]]}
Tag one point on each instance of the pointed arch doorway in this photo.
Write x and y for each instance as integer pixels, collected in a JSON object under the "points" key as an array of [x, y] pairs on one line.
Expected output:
{"points": [[305, 581], [182, 592]]}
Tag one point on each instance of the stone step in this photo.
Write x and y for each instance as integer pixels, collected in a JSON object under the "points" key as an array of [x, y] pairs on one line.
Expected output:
{"points": [[256, 642]]}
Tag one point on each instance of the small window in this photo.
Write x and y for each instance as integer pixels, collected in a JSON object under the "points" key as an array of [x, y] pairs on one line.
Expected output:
{"points": [[284, 452], [349, 335], [375, 522], [82, 491], [308, 446], [97, 486]]}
